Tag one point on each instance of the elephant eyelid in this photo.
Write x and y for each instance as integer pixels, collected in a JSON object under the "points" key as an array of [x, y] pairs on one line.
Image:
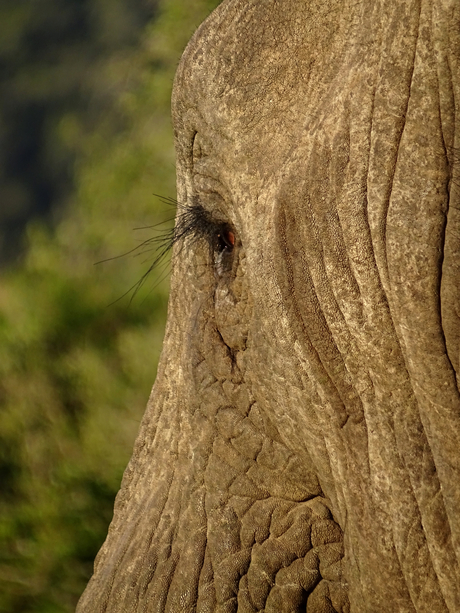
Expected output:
{"points": [[194, 222]]}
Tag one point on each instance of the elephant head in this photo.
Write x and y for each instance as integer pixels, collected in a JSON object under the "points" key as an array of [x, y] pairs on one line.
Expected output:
{"points": [[301, 447]]}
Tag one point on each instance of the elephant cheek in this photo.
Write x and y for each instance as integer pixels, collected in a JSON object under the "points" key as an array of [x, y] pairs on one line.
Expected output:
{"points": [[232, 312]]}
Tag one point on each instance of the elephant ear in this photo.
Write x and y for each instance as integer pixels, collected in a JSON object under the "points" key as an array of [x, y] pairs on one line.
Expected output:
{"points": [[214, 512], [368, 232]]}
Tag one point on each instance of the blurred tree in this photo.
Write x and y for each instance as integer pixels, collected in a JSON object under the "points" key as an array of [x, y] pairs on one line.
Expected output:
{"points": [[50, 54], [76, 367]]}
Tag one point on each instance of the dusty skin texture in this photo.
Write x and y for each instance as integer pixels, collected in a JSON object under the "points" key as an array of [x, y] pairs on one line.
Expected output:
{"points": [[301, 448]]}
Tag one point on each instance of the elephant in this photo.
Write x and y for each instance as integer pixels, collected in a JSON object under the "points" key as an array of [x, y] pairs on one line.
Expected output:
{"points": [[300, 450]]}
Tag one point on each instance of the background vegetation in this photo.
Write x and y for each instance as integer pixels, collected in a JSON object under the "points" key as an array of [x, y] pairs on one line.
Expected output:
{"points": [[85, 143]]}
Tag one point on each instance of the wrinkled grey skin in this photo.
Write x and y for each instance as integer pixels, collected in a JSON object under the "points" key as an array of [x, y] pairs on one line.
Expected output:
{"points": [[301, 448]]}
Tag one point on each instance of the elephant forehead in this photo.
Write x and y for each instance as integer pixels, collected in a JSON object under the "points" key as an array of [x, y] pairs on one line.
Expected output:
{"points": [[252, 75]]}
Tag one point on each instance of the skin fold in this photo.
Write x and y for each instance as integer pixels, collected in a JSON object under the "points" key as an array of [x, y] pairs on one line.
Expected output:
{"points": [[301, 447]]}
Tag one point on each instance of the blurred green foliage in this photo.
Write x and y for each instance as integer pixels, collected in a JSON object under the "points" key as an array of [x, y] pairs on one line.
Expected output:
{"points": [[52, 53], [76, 364]]}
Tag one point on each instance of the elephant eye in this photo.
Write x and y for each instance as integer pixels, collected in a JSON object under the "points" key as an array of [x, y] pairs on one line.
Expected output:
{"points": [[194, 223], [225, 240]]}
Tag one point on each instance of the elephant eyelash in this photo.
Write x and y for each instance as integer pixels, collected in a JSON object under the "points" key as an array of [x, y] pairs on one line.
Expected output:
{"points": [[192, 224]]}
